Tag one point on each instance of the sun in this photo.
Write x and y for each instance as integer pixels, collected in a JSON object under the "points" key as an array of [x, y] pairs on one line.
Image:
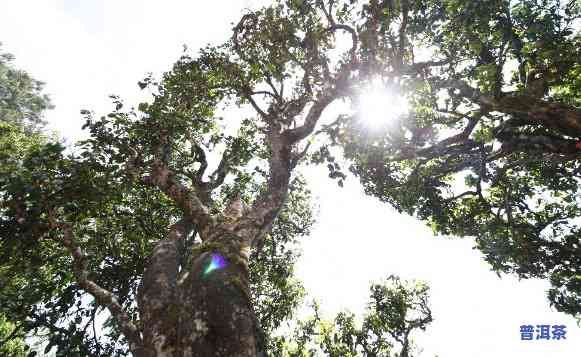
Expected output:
{"points": [[379, 105]]}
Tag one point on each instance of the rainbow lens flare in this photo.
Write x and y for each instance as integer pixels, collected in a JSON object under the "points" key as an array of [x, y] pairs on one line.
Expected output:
{"points": [[217, 262]]}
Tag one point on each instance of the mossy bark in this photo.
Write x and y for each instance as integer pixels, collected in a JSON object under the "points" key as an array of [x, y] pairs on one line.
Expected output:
{"points": [[202, 310]]}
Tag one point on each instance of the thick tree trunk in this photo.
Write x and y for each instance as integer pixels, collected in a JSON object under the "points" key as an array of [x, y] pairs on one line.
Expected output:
{"points": [[204, 310]]}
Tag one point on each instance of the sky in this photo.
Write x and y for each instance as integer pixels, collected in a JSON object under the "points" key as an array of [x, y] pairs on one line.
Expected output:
{"points": [[87, 50]]}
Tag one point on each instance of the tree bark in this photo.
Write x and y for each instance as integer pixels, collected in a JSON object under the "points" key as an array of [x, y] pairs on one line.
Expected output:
{"points": [[563, 118], [202, 310]]}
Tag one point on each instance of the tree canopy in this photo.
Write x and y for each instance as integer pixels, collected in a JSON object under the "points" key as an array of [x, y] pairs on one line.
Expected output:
{"points": [[395, 310], [22, 105], [22, 101], [490, 147], [179, 216]]}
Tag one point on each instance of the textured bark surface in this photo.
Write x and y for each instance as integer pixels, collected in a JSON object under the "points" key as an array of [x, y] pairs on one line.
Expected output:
{"points": [[156, 300], [204, 310], [218, 318], [563, 118]]}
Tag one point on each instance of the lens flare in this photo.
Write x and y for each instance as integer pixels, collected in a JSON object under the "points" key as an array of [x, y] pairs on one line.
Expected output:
{"points": [[217, 262], [379, 105]]}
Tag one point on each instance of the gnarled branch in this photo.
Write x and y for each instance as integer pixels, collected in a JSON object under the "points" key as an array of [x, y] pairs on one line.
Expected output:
{"points": [[102, 296], [301, 132], [218, 176], [200, 155], [186, 199]]}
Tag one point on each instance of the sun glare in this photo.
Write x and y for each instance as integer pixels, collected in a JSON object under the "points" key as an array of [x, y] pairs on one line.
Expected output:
{"points": [[379, 105]]}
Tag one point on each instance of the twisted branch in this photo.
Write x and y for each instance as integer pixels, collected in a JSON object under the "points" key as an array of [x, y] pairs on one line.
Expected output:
{"points": [[102, 296]]}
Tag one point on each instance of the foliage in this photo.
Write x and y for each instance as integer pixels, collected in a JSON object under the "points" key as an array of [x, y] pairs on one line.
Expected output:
{"points": [[21, 99], [119, 229], [22, 106], [489, 146], [495, 107], [396, 309], [10, 346], [277, 294]]}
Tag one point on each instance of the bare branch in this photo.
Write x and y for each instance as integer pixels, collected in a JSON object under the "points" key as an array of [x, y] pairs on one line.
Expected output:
{"points": [[563, 118], [257, 220], [281, 163], [102, 296], [402, 29], [463, 136], [281, 90], [532, 143], [218, 176], [467, 193], [313, 116], [354, 38], [158, 287], [265, 92], [95, 338], [440, 149], [247, 93], [164, 178], [328, 12], [276, 94], [180, 230], [200, 155], [299, 155], [246, 22], [187, 200]]}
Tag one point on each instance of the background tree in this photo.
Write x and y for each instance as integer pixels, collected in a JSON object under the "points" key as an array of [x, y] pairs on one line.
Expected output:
{"points": [[21, 99], [396, 309], [22, 106], [279, 64]]}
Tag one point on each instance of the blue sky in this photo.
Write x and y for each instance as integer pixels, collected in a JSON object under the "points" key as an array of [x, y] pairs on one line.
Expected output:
{"points": [[87, 50]]}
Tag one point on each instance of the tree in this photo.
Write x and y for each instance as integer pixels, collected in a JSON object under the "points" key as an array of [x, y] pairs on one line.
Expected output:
{"points": [[38, 287], [395, 310], [22, 106], [490, 148], [181, 287], [21, 99]]}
